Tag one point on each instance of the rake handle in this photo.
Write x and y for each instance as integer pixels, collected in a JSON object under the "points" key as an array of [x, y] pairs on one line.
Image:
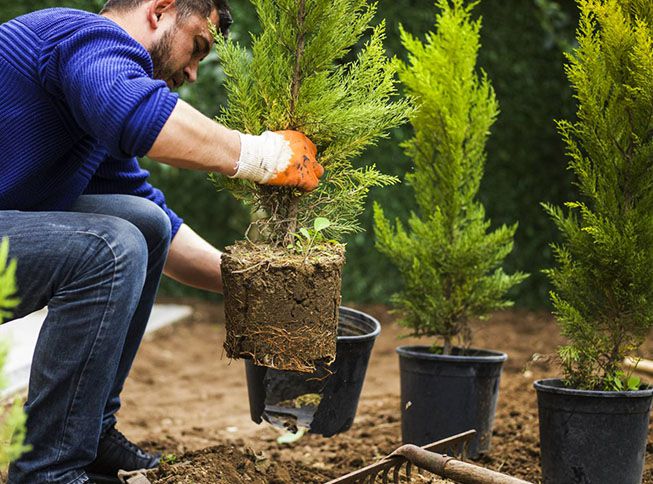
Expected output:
{"points": [[459, 471]]}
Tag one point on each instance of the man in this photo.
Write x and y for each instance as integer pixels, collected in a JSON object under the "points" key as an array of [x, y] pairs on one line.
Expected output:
{"points": [[82, 96]]}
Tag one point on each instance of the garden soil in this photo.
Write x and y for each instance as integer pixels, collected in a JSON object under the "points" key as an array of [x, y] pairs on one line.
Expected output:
{"points": [[186, 399]]}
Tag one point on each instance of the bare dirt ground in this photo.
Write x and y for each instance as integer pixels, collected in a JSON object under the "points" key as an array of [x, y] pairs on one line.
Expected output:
{"points": [[184, 399]]}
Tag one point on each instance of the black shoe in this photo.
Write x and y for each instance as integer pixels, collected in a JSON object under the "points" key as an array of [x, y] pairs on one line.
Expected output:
{"points": [[114, 453]]}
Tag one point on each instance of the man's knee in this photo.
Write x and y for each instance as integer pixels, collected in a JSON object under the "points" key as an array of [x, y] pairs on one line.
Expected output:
{"points": [[121, 244], [150, 219]]}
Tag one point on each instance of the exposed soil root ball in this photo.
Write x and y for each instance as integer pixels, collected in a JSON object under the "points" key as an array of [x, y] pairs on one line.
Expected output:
{"points": [[282, 309], [230, 464]]}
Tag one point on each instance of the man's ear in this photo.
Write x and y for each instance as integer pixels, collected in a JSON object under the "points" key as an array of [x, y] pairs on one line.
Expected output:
{"points": [[156, 9]]}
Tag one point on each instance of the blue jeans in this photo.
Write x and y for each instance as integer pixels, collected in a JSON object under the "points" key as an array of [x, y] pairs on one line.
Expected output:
{"points": [[97, 267]]}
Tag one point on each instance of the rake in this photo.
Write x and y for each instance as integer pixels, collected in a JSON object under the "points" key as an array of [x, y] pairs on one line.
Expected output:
{"points": [[433, 458]]}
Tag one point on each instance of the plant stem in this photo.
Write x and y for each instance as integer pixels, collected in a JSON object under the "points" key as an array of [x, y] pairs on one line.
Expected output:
{"points": [[446, 349], [291, 216], [299, 52], [291, 202]]}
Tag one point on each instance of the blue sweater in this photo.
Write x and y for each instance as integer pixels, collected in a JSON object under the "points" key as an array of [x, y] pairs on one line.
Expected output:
{"points": [[77, 104]]}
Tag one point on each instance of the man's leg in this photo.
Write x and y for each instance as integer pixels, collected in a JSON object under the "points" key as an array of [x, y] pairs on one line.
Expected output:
{"points": [[154, 225], [90, 270]]}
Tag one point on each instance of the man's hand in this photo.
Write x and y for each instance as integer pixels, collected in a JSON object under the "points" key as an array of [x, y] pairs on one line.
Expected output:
{"points": [[284, 158]]}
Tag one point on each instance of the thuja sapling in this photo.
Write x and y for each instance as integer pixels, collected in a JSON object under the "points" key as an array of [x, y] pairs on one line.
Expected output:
{"points": [[594, 422], [449, 259], [12, 417], [603, 282], [282, 291]]}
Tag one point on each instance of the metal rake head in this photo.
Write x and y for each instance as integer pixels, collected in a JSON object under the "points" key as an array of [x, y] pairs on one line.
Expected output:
{"points": [[391, 467]]}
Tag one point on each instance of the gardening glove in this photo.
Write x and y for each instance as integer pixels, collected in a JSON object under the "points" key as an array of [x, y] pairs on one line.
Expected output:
{"points": [[279, 158]]}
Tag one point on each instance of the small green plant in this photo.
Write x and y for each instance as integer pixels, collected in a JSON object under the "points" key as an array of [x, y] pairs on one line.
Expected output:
{"points": [[620, 381], [308, 239], [603, 282], [295, 78], [12, 417], [449, 260], [169, 459]]}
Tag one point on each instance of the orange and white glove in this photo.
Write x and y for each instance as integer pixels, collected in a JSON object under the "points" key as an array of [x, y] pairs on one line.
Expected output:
{"points": [[284, 158]]}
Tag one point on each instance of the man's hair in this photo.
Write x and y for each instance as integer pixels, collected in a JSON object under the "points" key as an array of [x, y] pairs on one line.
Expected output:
{"points": [[185, 8]]}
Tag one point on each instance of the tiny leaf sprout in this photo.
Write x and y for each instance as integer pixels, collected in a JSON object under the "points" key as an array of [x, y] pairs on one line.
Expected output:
{"points": [[321, 223], [306, 239]]}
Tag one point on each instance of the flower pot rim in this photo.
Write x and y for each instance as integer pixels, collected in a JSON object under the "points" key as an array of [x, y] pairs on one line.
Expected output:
{"points": [[362, 337], [556, 385], [421, 352]]}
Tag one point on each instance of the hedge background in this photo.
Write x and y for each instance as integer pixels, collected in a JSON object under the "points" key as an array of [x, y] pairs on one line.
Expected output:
{"points": [[523, 44]]}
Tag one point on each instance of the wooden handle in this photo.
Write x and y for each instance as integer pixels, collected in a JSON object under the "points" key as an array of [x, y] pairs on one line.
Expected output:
{"points": [[459, 471], [466, 473], [642, 364]]}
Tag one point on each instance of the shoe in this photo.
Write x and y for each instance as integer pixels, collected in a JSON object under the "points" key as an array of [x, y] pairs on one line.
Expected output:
{"points": [[114, 453]]}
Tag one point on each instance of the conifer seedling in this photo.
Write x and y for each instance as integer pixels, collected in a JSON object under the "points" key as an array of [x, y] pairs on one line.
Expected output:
{"points": [[603, 282], [283, 290], [449, 259]]}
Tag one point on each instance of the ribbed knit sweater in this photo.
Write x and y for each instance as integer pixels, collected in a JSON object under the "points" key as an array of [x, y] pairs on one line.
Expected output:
{"points": [[78, 104]]}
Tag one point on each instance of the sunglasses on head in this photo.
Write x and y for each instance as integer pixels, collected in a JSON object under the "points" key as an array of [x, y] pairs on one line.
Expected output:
{"points": [[224, 22]]}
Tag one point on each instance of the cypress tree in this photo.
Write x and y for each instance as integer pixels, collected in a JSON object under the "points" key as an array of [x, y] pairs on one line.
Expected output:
{"points": [[282, 293], [603, 282], [449, 259], [298, 77]]}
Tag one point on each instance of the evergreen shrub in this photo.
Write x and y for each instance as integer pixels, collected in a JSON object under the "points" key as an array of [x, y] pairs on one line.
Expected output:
{"points": [[449, 260], [295, 78], [603, 282]]}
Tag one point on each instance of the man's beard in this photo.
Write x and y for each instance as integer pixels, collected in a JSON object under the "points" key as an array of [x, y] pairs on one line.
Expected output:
{"points": [[161, 54]]}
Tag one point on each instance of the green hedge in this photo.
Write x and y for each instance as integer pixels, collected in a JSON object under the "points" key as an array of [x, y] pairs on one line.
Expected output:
{"points": [[522, 53]]}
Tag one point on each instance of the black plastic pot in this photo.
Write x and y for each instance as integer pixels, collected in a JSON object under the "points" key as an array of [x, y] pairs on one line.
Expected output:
{"points": [[442, 395], [339, 385], [592, 436]]}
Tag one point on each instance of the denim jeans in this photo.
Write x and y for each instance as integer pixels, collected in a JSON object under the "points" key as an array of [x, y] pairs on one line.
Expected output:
{"points": [[97, 268]]}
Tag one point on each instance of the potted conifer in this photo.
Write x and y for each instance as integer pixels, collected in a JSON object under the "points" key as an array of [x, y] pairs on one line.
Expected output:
{"points": [[449, 260], [282, 290], [12, 417], [594, 421]]}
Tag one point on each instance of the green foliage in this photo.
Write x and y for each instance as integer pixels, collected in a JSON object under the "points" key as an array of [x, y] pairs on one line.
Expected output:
{"points": [[169, 459], [12, 417], [8, 288], [449, 260], [308, 239], [603, 283], [12, 425], [525, 163], [294, 79], [555, 21], [619, 382]]}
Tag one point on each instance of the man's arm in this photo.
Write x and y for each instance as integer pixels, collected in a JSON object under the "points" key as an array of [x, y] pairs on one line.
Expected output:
{"points": [[190, 140], [193, 261]]}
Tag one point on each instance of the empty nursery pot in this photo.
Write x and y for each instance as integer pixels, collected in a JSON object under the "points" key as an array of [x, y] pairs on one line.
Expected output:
{"points": [[443, 395], [325, 401], [592, 436]]}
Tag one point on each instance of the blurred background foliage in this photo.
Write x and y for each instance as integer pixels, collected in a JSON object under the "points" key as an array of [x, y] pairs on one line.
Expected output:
{"points": [[522, 51]]}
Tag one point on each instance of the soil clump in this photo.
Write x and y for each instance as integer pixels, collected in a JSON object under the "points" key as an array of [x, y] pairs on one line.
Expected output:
{"points": [[282, 308]]}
